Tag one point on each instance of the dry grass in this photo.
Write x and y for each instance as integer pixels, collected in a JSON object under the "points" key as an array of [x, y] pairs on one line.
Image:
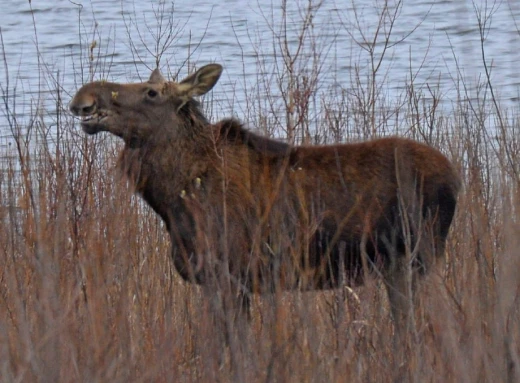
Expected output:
{"points": [[88, 292]]}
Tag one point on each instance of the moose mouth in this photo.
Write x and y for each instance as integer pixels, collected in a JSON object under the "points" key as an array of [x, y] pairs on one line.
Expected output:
{"points": [[95, 122]]}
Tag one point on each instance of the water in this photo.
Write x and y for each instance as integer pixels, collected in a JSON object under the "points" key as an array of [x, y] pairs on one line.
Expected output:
{"points": [[46, 46]]}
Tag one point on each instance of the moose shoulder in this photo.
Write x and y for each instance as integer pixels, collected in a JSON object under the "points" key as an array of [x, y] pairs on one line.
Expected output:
{"points": [[268, 215]]}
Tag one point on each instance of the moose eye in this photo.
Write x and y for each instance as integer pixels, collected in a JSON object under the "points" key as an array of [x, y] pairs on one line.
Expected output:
{"points": [[152, 93]]}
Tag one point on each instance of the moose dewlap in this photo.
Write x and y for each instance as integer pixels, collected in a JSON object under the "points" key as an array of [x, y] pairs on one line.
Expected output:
{"points": [[267, 215]]}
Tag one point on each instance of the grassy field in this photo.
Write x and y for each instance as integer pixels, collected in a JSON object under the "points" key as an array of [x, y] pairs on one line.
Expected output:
{"points": [[88, 292]]}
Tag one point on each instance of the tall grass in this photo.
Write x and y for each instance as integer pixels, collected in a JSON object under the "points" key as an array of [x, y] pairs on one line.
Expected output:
{"points": [[88, 292]]}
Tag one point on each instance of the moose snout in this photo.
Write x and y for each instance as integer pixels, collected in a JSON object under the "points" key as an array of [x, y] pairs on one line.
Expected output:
{"points": [[82, 108]]}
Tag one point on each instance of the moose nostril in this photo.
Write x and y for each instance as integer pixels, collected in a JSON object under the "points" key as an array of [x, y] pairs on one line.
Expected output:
{"points": [[89, 109], [80, 110]]}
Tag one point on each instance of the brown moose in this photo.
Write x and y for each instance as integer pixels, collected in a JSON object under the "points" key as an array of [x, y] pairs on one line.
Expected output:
{"points": [[265, 215]]}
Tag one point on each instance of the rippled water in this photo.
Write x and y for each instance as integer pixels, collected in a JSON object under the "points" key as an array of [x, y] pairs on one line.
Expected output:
{"points": [[46, 39]]}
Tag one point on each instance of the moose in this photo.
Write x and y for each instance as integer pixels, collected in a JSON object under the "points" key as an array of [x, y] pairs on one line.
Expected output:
{"points": [[264, 214]]}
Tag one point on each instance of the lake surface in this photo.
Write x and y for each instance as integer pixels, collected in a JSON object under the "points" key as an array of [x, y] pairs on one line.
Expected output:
{"points": [[47, 46]]}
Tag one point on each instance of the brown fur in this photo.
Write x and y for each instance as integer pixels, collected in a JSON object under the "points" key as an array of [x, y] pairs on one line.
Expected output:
{"points": [[267, 214]]}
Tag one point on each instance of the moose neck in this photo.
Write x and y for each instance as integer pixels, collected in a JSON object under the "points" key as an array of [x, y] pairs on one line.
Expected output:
{"points": [[163, 167]]}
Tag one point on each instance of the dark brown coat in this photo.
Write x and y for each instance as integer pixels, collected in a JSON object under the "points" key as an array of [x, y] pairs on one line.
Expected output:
{"points": [[269, 215]]}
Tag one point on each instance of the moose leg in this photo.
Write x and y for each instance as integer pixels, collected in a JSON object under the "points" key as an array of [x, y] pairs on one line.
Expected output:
{"points": [[244, 299], [398, 279], [398, 276], [234, 309]]}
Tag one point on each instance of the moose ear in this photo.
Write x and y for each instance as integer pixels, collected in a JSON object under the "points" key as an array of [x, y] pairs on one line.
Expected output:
{"points": [[201, 81], [156, 77]]}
